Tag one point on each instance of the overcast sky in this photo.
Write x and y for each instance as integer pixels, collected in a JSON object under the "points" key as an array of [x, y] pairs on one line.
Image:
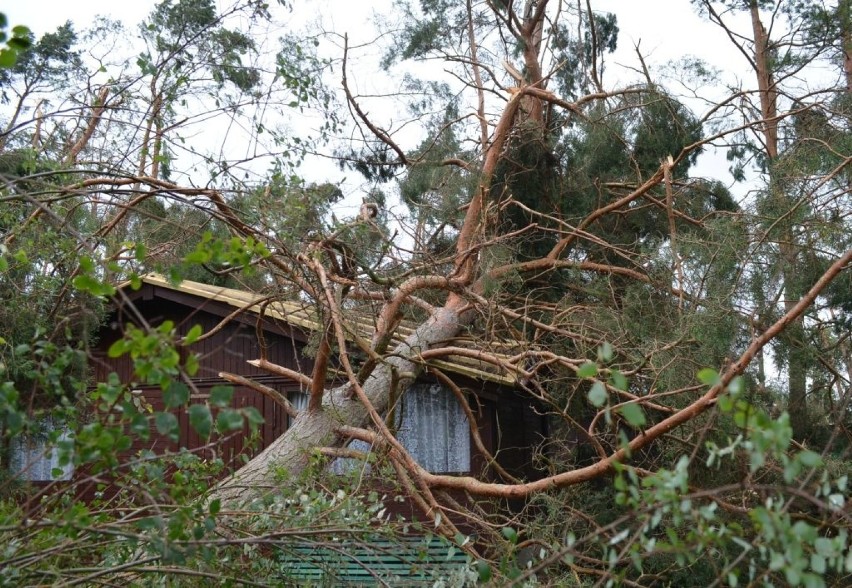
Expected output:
{"points": [[665, 30]]}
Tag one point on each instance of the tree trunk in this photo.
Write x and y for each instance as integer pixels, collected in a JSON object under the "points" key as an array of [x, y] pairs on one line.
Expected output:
{"points": [[797, 356], [844, 16], [97, 111], [765, 84], [291, 452]]}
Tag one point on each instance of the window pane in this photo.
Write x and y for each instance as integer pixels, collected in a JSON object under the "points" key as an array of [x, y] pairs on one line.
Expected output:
{"points": [[434, 429], [299, 400], [31, 458]]}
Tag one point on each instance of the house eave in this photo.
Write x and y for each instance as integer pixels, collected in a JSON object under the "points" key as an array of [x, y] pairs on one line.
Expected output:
{"points": [[301, 316]]}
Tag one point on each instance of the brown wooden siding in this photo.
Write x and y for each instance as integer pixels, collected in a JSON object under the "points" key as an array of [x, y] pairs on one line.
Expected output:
{"points": [[227, 350], [508, 422]]}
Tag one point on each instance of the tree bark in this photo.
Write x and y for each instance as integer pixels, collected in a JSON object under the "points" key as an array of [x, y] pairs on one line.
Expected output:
{"points": [[318, 428], [797, 356], [291, 451], [95, 119], [765, 83], [844, 16]]}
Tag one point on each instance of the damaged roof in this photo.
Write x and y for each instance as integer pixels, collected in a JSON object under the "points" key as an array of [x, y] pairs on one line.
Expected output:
{"points": [[356, 324]]}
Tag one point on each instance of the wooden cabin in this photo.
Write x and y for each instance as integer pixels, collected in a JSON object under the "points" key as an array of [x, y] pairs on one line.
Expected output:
{"points": [[247, 326]]}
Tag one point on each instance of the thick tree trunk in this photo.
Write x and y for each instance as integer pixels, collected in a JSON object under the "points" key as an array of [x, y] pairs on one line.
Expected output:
{"points": [[844, 16], [765, 83], [311, 429]]}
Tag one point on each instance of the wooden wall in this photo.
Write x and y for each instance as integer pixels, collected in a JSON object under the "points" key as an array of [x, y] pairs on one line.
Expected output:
{"points": [[508, 422], [227, 350]]}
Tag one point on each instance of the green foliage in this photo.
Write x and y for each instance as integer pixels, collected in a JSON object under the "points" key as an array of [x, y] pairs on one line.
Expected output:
{"points": [[227, 253], [666, 127], [176, 23], [176, 29], [577, 53], [52, 56], [19, 40], [46, 327], [662, 524], [427, 29], [155, 357], [611, 334], [220, 396], [183, 531], [434, 192]]}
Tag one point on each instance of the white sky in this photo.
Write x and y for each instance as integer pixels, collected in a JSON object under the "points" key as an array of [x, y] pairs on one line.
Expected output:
{"points": [[665, 30], [42, 16]]}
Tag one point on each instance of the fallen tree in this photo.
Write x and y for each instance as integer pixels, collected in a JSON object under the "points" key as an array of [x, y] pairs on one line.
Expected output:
{"points": [[632, 301]]}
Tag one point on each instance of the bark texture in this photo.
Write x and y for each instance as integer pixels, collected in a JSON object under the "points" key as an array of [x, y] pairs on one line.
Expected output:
{"points": [[311, 429]]}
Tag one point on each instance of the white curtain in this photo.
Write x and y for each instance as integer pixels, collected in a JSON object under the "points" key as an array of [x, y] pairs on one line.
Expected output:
{"points": [[430, 424], [299, 400], [434, 429], [33, 460]]}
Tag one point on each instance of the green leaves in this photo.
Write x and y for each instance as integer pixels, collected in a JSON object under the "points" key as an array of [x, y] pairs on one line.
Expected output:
{"points": [[510, 534], [175, 394], [483, 570], [618, 380], [92, 285], [156, 359], [118, 348], [193, 335], [253, 417], [226, 252], [88, 281], [605, 352], [587, 370], [20, 40], [229, 420], [167, 425], [220, 396], [598, 395], [201, 419], [709, 377], [810, 459], [632, 413]]}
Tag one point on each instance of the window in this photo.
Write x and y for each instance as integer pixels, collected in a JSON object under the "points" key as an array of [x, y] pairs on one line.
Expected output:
{"points": [[299, 400], [33, 459], [434, 429], [431, 426]]}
